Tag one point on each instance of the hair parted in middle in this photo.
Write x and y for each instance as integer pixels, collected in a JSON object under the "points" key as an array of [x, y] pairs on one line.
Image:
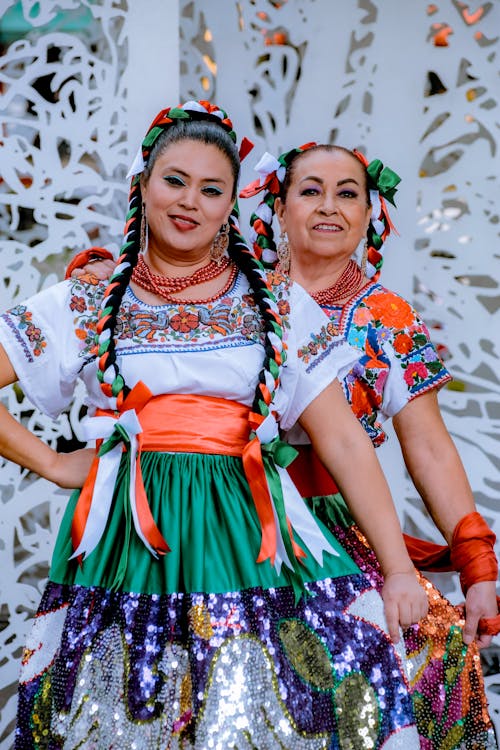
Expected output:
{"points": [[276, 176], [207, 123]]}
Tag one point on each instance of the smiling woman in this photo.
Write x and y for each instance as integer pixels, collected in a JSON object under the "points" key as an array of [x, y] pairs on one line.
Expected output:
{"points": [[328, 199]]}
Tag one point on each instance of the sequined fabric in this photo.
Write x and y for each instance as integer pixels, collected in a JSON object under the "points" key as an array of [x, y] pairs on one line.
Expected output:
{"points": [[446, 680], [241, 670]]}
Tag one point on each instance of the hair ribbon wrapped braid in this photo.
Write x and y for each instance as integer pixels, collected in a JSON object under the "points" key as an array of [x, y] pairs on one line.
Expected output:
{"points": [[382, 186], [272, 172]]}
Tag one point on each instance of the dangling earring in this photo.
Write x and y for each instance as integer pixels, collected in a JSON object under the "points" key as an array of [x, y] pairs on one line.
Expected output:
{"points": [[283, 253], [220, 244], [143, 237], [364, 258]]}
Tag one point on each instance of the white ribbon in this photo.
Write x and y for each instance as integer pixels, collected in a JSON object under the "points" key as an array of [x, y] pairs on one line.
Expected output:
{"points": [[96, 428], [268, 429], [268, 164], [302, 520], [264, 212], [137, 165]]}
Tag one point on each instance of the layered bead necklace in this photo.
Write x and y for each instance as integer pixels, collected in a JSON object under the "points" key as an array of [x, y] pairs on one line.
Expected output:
{"points": [[346, 285], [166, 286]]}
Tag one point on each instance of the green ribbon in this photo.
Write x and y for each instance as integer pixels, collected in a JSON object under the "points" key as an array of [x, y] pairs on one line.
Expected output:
{"points": [[119, 435], [278, 453], [383, 179]]}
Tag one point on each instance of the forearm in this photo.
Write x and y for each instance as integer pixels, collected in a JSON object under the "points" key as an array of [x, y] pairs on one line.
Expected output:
{"points": [[19, 445], [348, 454], [366, 492], [434, 464]]}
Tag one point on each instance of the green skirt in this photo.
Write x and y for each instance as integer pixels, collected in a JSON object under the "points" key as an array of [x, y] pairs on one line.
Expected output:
{"points": [[203, 507]]}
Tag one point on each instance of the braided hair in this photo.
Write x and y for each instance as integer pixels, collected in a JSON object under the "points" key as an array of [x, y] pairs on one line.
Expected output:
{"points": [[380, 183], [205, 122]]}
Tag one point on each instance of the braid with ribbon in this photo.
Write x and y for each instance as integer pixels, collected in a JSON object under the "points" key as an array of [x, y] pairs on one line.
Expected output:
{"points": [[382, 184], [273, 174], [275, 179]]}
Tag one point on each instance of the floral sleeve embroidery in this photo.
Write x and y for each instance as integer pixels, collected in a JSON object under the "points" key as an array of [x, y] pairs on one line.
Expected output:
{"points": [[319, 343], [29, 336], [378, 322]]}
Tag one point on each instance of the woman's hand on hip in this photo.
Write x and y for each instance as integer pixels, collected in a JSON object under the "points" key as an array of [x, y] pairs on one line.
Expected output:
{"points": [[70, 470]]}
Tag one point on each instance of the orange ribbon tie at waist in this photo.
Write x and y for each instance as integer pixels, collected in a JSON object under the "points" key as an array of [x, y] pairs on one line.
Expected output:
{"points": [[168, 423]]}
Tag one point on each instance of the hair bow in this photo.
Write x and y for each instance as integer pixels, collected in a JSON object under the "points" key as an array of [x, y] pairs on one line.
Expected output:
{"points": [[271, 173], [384, 179]]}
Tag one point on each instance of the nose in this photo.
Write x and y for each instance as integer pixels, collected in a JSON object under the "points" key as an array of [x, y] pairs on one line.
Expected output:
{"points": [[328, 204], [188, 197]]}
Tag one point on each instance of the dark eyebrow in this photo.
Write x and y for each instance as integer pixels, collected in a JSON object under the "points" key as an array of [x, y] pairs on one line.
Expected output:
{"points": [[185, 174], [340, 182]]}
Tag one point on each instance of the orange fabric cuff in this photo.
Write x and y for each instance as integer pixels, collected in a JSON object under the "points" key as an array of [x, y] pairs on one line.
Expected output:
{"points": [[81, 259], [472, 551]]}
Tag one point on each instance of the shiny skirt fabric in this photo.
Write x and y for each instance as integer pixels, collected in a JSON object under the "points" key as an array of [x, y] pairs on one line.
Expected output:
{"points": [[204, 647], [446, 680]]}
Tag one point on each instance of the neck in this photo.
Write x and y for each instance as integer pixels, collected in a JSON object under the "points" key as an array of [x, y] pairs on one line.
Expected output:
{"points": [[315, 275], [176, 265]]}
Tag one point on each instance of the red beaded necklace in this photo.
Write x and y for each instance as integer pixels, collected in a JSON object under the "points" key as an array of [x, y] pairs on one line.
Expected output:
{"points": [[166, 286], [348, 282]]}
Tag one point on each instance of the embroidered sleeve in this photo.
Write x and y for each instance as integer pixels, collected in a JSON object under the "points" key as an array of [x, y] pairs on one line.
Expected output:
{"points": [[415, 366], [48, 339]]}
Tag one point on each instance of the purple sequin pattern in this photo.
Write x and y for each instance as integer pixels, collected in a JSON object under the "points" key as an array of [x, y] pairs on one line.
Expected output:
{"points": [[243, 669]]}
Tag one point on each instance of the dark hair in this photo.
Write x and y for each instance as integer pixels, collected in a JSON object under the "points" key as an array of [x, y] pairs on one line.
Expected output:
{"points": [[211, 126], [203, 131]]}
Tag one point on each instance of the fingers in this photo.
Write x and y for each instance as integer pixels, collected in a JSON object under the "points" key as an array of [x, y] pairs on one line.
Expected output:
{"points": [[470, 628], [405, 603], [483, 641], [479, 602], [392, 618]]}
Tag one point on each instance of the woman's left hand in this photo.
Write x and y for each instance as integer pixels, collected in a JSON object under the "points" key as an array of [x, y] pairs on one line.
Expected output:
{"points": [[480, 602]]}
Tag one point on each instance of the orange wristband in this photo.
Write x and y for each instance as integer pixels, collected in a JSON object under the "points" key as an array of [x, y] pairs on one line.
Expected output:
{"points": [[472, 551]]}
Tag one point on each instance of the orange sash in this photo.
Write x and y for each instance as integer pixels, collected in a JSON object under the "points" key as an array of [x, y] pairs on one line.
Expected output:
{"points": [[186, 424]]}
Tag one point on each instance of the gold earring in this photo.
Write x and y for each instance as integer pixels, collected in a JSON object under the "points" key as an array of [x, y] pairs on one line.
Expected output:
{"points": [[220, 244], [143, 236], [364, 258], [283, 253]]}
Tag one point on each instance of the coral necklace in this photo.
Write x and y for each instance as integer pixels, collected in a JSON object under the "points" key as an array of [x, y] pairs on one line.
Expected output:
{"points": [[166, 286], [348, 282]]}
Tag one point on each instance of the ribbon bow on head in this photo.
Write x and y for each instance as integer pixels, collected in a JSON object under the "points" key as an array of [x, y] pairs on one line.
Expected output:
{"points": [[185, 112], [383, 179], [272, 172]]}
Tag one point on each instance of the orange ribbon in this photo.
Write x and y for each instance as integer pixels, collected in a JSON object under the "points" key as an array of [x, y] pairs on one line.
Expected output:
{"points": [[256, 476]]}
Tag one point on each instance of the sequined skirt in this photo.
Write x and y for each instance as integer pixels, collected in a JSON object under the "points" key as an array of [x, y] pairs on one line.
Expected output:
{"points": [[183, 662], [446, 680]]}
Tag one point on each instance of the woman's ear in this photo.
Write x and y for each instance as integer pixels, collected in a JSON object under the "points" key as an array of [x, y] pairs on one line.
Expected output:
{"points": [[280, 211]]}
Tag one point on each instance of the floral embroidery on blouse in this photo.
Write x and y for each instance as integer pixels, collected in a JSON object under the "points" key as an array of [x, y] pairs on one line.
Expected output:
{"points": [[230, 317], [389, 333], [319, 342], [26, 329]]}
